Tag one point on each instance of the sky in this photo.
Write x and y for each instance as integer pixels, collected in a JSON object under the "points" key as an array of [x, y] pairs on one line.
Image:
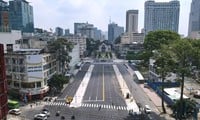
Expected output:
{"points": [[63, 13]]}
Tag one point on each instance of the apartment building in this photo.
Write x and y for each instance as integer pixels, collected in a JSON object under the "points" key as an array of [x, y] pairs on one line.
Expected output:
{"points": [[81, 40], [27, 72]]}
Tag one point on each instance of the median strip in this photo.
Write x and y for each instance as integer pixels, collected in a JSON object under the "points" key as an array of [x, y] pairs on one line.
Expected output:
{"points": [[78, 97]]}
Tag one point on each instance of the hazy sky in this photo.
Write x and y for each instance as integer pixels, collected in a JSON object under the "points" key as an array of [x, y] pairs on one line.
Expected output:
{"points": [[63, 13]]}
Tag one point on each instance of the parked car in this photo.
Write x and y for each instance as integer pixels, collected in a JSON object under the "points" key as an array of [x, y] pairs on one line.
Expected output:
{"points": [[147, 109], [15, 111], [46, 112], [40, 117]]}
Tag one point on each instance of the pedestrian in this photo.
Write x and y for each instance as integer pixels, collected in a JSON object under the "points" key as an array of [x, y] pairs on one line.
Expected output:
{"points": [[99, 107], [31, 105]]}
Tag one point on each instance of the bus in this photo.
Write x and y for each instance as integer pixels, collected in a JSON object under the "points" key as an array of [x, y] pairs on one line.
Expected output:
{"points": [[139, 78], [12, 104]]}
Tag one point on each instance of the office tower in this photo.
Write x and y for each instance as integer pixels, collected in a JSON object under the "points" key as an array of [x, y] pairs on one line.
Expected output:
{"points": [[114, 31], [4, 16], [21, 16], [84, 29], [194, 20], [59, 31], [67, 32], [132, 21], [3, 86], [161, 15]]}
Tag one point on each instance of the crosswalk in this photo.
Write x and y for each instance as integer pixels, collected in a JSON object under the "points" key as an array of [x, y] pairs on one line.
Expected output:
{"points": [[90, 105], [56, 104], [114, 107]]}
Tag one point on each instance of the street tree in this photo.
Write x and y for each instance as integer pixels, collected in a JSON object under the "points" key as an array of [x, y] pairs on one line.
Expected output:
{"points": [[196, 58], [163, 65], [189, 107], [57, 81], [182, 54], [155, 39], [61, 48]]}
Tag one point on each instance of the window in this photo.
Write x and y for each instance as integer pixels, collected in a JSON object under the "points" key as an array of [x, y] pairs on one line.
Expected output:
{"points": [[38, 84]]}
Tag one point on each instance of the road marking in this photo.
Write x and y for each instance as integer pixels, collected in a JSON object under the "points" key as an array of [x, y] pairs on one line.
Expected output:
{"points": [[103, 85]]}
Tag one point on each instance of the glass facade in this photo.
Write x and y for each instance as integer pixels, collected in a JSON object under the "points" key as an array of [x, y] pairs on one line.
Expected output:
{"points": [[114, 31], [161, 16], [4, 17], [194, 20], [21, 16]]}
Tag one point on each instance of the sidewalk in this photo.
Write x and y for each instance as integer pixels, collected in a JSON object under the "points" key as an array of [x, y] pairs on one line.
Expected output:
{"points": [[75, 71], [154, 98], [157, 102]]}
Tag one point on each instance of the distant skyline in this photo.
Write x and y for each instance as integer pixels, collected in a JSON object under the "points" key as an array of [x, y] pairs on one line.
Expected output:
{"points": [[63, 13]]}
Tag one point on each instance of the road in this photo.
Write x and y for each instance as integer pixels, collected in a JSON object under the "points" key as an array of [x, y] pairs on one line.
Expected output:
{"points": [[137, 92], [102, 100]]}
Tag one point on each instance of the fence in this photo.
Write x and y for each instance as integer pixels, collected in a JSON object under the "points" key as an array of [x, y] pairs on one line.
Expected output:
{"points": [[156, 87]]}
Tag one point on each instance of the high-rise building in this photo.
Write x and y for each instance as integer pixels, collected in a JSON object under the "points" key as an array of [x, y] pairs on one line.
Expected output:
{"points": [[59, 31], [3, 86], [84, 29], [88, 30], [194, 20], [132, 21], [161, 16], [67, 32], [21, 16], [114, 31], [4, 16]]}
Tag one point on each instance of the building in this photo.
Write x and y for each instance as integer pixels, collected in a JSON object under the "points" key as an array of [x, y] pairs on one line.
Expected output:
{"points": [[88, 30], [3, 86], [67, 32], [8, 39], [154, 76], [27, 72], [194, 20], [75, 55], [4, 17], [59, 31], [161, 16], [132, 38], [84, 29], [32, 42], [21, 16], [114, 31], [78, 39], [132, 21]]}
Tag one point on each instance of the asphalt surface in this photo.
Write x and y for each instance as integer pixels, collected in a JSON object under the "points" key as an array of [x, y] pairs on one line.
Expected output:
{"points": [[71, 88], [138, 93], [102, 99]]}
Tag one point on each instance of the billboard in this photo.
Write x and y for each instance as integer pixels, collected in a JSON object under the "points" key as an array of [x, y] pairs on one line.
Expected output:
{"points": [[35, 67]]}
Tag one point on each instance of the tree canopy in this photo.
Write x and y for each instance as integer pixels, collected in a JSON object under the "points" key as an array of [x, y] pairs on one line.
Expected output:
{"points": [[58, 81], [155, 39]]}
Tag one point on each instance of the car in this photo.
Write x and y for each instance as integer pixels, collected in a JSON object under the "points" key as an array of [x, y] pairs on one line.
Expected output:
{"points": [[147, 109], [40, 117], [58, 113], [15, 111], [62, 117], [46, 112]]}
